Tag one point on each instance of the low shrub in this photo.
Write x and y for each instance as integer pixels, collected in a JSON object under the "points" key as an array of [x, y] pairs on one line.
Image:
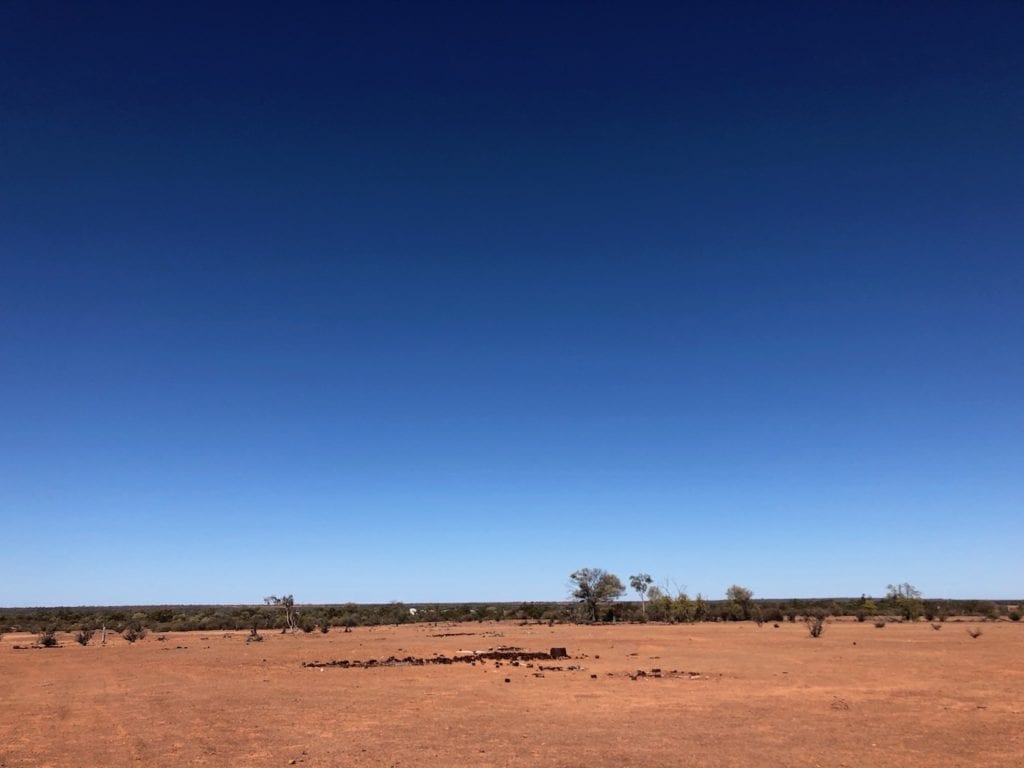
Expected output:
{"points": [[48, 638], [879, 623], [815, 623], [974, 632], [84, 636], [134, 631]]}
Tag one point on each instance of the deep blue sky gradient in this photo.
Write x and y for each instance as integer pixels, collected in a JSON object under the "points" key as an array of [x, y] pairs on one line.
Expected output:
{"points": [[441, 301]]}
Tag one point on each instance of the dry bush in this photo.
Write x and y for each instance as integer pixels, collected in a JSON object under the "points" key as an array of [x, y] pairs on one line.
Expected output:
{"points": [[974, 632], [133, 632], [48, 638], [936, 627], [879, 623], [815, 625], [84, 636]]}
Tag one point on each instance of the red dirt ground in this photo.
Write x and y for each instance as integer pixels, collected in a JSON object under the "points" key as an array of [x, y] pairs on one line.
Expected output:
{"points": [[905, 695]]}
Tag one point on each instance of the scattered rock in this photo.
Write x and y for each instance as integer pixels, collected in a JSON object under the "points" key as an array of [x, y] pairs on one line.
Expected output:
{"points": [[469, 657]]}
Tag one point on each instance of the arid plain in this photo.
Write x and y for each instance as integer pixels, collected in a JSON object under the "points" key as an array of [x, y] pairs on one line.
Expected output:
{"points": [[727, 695]]}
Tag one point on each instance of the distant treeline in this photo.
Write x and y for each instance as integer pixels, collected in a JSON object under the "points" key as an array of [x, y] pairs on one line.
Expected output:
{"points": [[679, 609]]}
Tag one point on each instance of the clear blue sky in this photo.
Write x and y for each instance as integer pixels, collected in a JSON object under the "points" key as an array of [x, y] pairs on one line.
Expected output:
{"points": [[439, 302]]}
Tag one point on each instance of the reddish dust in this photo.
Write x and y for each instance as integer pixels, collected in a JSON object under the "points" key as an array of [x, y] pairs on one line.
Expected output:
{"points": [[626, 695]]}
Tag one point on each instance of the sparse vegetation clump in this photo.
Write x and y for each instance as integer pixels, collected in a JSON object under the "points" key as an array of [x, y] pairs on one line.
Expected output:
{"points": [[974, 632], [936, 627], [134, 632], [681, 608], [879, 623], [48, 638], [988, 609], [84, 635], [815, 624], [254, 635]]}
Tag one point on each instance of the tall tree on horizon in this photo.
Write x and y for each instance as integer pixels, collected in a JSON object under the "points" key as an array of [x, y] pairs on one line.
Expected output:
{"points": [[640, 583], [287, 604]]}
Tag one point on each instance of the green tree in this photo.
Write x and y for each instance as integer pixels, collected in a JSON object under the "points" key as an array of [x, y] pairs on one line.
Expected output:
{"points": [[682, 607], [907, 600], [742, 598], [594, 588], [640, 583], [904, 591], [659, 604], [700, 608]]}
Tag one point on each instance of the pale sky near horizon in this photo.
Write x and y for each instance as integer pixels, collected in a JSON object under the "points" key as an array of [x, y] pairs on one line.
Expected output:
{"points": [[440, 302]]}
